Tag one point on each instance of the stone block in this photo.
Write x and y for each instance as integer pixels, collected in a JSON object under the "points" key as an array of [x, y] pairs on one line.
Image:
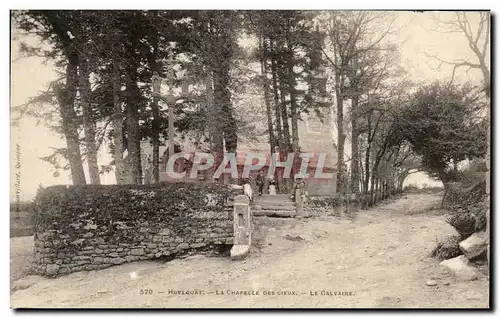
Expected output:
{"points": [[52, 269], [460, 268], [117, 260], [183, 246], [137, 251], [164, 232], [131, 258], [474, 245], [239, 252]]}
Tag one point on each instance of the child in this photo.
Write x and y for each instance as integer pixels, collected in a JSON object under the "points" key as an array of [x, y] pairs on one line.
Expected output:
{"points": [[272, 187]]}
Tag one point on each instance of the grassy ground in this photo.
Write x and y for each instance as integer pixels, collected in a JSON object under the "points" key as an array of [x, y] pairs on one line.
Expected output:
{"points": [[21, 223]]}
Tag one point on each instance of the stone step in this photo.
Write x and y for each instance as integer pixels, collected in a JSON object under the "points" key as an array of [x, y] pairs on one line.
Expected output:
{"points": [[278, 213], [271, 198], [274, 205]]}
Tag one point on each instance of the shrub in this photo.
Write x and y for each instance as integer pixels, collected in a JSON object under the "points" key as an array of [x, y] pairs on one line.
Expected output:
{"points": [[411, 188], [447, 248], [465, 224], [323, 202]]}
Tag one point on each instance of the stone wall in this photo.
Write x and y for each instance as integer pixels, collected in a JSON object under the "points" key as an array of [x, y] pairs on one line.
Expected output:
{"points": [[93, 227]]}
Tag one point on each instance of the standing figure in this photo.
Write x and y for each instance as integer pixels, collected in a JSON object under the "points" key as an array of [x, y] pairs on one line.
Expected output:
{"points": [[300, 184], [272, 187], [247, 189], [260, 182]]}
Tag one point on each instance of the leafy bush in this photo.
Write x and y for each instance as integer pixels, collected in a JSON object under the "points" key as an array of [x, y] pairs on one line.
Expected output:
{"points": [[411, 188], [67, 210], [465, 224], [323, 202], [447, 248]]}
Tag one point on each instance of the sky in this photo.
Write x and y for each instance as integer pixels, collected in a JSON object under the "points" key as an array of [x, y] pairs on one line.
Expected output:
{"points": [[30, 75]]}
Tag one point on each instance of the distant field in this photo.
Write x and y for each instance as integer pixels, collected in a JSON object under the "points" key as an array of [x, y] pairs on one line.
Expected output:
{"points": [[21, 223]]}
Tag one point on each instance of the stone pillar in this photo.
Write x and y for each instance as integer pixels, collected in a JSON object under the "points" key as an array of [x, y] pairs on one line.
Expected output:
{"points": [[242, 228]]}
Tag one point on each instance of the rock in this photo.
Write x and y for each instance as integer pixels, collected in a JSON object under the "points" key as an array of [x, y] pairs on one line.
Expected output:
{"points": [[431, 282], [293, 238], [239, 252], [131, 258], [474, 245], [183, 246], [460, 268], [164, 232], [52, 269], [446, 283], [137, 252], [117, 261]]}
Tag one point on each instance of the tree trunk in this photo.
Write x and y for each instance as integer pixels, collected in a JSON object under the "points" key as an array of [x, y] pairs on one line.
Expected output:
{"points": [[354, 147], [215, 132], [372, 190], [118, 128], [293, 102], [66, 98], [134, 159], [265, 87], [341, 138], [223, 97], [155, 124], [88, 121], [277, 109], [284, 116], [155, 138]]}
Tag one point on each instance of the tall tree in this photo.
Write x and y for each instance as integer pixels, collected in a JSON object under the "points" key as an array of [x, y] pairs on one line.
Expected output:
{"points": [[55, 27], [478, 40], [351, 36], [81, 39]]}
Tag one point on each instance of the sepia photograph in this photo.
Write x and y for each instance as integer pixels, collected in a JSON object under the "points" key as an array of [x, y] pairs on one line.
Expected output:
{"points": [[200, 159]]}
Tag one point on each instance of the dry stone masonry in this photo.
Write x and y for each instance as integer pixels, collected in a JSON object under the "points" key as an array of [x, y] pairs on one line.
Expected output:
{"points": [[93, 227]]}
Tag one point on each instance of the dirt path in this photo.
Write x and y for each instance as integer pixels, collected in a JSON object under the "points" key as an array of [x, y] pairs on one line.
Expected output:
{"points": [[380, 259]]}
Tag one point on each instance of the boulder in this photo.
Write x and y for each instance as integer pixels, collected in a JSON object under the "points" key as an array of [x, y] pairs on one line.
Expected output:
{"points": [[52, 269], [474, 245], [460, 268], [239, 252]]}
